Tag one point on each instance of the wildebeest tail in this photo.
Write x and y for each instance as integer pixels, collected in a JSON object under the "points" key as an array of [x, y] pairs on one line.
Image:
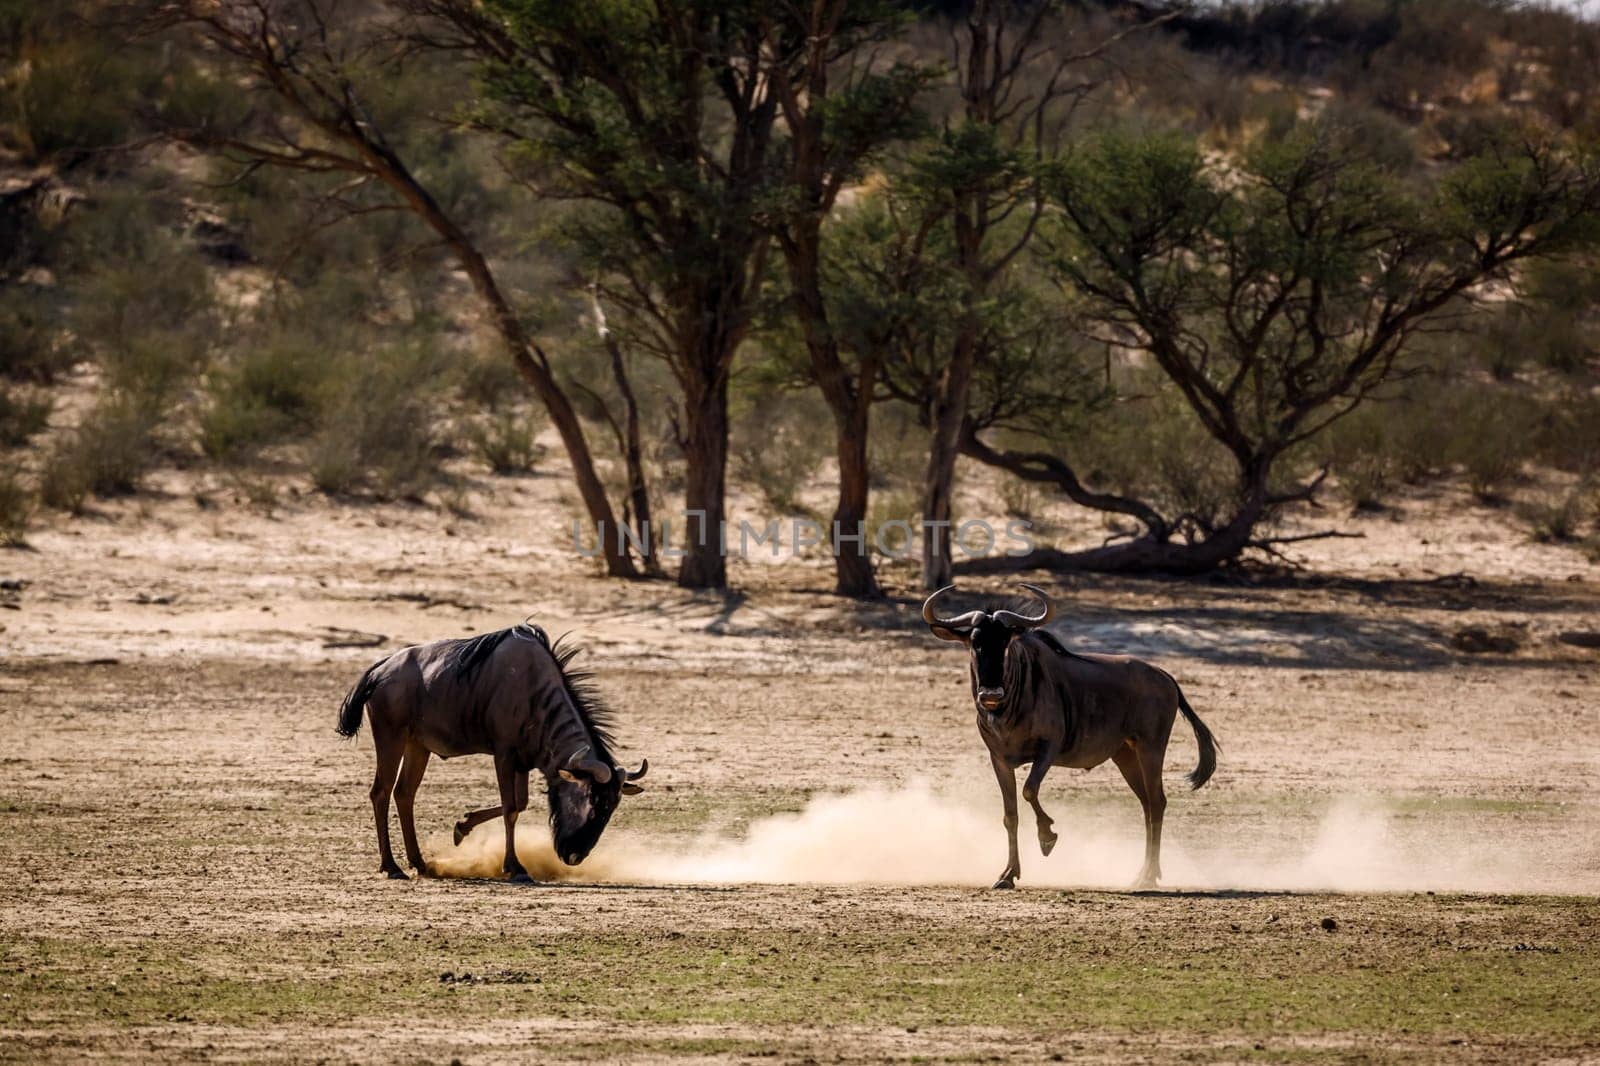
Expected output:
{"points": [[356, 701], [1208, 744]]}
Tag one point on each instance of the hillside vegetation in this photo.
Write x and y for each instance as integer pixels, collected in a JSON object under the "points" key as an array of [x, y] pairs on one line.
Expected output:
{"points": [[1044, 271]]}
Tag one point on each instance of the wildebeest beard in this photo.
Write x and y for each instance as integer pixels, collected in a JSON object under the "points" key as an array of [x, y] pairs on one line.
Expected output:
{"points": [[579, 812]]}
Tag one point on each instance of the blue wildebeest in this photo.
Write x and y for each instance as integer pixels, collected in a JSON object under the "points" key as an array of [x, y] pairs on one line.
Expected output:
{"points": [[509, 694], [1039, 703]]}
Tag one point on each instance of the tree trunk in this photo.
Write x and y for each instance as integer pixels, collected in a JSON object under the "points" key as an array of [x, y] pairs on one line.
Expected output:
{"points": [[388, 168], [938, 486], [705, 447], [850, 406], [852, 561], [595, 501]]}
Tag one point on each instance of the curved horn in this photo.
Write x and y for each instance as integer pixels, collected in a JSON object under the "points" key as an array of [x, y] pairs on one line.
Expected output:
{"points": [[583, 759], [945, 628], [1022, 621], [634, 775]]}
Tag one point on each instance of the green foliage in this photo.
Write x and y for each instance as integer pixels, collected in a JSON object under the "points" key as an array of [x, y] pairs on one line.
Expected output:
{"points": [[55, 112], [23, 414], [1148, 448], [28, 349], [896, 448], [1279, 291], [490, 381], [135, 278], [1556, 325]]}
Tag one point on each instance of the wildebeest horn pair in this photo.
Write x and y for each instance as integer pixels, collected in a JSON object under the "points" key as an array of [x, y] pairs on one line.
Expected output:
{"points": [[585, 762], [955, 628]]}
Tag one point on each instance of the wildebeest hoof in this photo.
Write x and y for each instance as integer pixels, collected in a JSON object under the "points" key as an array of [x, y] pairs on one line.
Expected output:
{"points": [[1006, 882], [521, 877], [1047, 844], [1144, 883], [461, 832], [395, 873]]}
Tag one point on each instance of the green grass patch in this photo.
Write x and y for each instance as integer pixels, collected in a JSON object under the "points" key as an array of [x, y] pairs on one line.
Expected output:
{"points": [[1078, 975]]}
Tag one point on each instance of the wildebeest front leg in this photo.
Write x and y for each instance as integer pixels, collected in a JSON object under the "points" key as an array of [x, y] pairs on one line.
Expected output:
{"points": [[1008, 798], [508, 776], [1030, 792], [472, 819]]}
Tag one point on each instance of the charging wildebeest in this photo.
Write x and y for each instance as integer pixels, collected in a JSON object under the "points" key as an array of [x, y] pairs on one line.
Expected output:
{"points": [[1042, 704], [509, 694]]}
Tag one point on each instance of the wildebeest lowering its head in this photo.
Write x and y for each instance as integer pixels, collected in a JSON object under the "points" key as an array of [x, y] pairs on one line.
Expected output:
{"points": [[510, 694], [1039, 703]]}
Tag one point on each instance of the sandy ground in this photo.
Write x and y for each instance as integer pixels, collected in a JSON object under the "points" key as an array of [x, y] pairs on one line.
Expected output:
{"points": [[190, 870]]}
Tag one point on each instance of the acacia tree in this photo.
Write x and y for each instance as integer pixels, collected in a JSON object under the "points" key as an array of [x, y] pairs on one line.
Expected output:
{"points": [[1278, 293], [975, 187], [835, 120], [661, 118], [314, 74]]}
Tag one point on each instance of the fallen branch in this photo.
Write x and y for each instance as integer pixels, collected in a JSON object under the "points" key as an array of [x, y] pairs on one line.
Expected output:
{"points": [[351, 638]]}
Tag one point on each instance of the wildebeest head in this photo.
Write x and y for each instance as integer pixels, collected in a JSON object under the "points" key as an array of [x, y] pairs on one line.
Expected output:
{"points": [[988, 635], [583, 795]]}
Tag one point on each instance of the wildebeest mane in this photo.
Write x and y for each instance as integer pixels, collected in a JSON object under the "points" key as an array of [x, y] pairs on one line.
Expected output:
{"points": [[1053, 642], [468, 655], [591, 706]]}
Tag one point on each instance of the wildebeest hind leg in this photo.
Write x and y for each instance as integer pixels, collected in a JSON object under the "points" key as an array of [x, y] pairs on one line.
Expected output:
{"points": [[389, 750], [1133, 761], [472, 819], [1150, 759], [405, 792], [1030, 792]]}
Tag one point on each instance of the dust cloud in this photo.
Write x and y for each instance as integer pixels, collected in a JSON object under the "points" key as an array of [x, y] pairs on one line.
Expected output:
{"points": [[917, 836]]}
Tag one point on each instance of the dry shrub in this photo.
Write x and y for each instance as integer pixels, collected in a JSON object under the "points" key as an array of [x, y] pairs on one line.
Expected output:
{"points": [[777, 446], [1020, 497], [107, 455], [1155, 450], [505, 439], [28, 351], [1493, 433], [1359, 449], [23, 414], [378, 430], [894, 505], [16, 509], [1555, 517], [267, 393]]}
